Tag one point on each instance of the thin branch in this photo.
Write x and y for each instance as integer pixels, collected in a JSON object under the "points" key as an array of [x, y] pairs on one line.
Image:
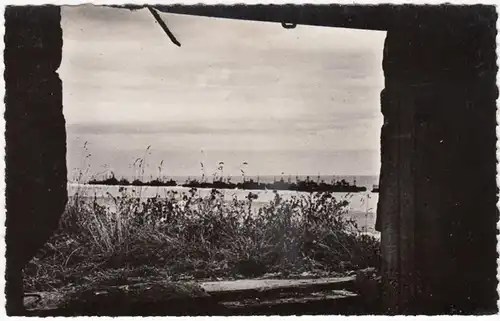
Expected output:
{"points": [[164, 26]]}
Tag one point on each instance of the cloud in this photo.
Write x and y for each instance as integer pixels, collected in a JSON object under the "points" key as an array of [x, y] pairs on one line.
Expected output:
{"points": [[237, 84], [313, 122]]}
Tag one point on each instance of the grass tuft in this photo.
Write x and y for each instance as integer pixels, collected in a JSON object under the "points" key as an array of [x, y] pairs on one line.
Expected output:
{"points": [[183, 235]]}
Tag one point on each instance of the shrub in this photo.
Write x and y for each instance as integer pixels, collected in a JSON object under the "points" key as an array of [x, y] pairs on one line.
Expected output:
{"points": [[186, 234]]}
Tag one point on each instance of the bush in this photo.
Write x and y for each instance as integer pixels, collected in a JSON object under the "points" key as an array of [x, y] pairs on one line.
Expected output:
{"points": [[202, 237]]}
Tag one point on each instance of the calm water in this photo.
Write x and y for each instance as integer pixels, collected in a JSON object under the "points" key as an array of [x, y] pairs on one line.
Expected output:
{"points": [[362, 206]]}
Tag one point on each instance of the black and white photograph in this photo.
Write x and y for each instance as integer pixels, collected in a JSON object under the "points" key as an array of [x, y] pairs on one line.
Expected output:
{"points": [[226, 160]]}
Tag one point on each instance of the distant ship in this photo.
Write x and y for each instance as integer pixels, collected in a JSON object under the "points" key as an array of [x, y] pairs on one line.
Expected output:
{"points": [[306, 185], [300, 186], [375, 189]]}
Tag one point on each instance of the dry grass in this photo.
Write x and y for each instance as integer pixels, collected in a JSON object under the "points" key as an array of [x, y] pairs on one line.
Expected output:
{"points": [[184, 235]]}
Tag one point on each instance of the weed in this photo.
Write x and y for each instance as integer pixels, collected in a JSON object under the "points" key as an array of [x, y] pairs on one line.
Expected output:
{"points": [[183, 234]]}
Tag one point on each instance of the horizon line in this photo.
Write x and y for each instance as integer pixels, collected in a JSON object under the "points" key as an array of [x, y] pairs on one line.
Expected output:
{"points": [[239, 175]]}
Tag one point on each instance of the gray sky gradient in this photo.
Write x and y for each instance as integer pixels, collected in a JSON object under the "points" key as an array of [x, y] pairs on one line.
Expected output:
{"points": [[302, 101]]}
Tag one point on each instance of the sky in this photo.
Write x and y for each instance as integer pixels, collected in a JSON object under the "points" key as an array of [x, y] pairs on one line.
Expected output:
{"points": [[293, 101]]}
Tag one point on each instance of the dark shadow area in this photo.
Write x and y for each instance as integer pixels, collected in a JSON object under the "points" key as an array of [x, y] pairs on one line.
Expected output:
{"points": [[35, 137], [437, 209]]}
